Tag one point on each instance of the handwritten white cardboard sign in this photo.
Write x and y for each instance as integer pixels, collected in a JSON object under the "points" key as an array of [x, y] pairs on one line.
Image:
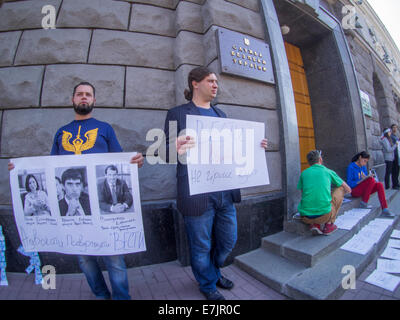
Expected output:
{"points": [[228, 154]]}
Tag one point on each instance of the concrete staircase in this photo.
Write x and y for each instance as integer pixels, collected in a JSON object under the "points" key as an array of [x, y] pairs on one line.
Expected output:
{"points": [[301, 266]]}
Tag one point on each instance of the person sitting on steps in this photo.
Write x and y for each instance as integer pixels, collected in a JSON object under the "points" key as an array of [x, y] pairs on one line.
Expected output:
{"points": [[320, 203], [364, 184]]}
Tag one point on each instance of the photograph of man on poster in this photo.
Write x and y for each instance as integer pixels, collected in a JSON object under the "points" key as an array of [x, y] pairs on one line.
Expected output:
{"points": [[115, 196], [76, 199]]}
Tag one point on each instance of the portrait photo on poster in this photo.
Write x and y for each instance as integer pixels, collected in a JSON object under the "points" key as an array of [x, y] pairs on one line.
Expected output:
{"points": [[114, 189], [33, 192], [72, 191]]}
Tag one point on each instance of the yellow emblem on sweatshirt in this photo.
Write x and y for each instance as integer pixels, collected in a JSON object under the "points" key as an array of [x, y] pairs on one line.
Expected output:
{"points": [[78, 145]]}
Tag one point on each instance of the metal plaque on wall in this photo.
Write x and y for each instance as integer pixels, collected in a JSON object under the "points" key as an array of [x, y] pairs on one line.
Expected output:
{"points": [[244, 56]]}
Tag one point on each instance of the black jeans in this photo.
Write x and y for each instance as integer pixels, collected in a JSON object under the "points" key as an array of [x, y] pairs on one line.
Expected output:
{"points": [[388, 172], [395, 171]]}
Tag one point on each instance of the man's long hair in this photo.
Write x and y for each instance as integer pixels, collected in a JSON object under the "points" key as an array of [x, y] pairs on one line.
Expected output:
{"points": [[197, 74]]}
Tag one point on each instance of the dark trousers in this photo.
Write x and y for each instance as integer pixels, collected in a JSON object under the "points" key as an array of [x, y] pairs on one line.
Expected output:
{"points": [[395, 171], [388, 172], [212, 237]]}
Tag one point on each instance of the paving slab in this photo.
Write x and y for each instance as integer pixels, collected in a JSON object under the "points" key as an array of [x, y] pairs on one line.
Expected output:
{"points": [[153, 282]]}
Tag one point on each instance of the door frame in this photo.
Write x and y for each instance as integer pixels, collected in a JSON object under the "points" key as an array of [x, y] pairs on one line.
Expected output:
{"points": [[290, 142]]}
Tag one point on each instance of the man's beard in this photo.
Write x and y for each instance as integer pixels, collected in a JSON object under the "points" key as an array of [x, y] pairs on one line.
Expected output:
{"points": [[83, 110]]}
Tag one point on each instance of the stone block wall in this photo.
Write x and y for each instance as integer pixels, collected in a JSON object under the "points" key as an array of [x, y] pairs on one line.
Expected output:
{"points": [[374, 80], [137, 54]]}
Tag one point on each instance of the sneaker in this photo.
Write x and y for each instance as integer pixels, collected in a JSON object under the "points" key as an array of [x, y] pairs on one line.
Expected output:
{"points": [[364, 205], [315, 229], [329, 228], [224, 283], [297, 216], [213, 295], [387, 214]]}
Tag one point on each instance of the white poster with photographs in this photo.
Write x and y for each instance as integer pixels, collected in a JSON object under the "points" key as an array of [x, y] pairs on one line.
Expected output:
{"points": [[78, 204]]}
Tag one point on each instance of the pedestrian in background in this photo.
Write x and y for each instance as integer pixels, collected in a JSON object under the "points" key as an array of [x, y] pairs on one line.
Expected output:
{"points": [[388, 154], [395, 167]]}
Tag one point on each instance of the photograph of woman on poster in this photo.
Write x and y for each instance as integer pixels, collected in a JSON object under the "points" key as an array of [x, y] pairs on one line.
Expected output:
{"points": [[35, 200]]}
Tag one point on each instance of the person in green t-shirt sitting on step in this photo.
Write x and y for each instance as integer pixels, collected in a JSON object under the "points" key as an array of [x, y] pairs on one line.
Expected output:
{"points": [[322, 195]]}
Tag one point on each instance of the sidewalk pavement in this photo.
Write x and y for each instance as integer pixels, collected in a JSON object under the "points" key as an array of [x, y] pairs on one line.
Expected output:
{"points": [[366, 291], [171, 281], [166, 281]]}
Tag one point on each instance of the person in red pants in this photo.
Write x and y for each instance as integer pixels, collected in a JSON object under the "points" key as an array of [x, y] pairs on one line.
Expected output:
{"points": [[364, 184]]}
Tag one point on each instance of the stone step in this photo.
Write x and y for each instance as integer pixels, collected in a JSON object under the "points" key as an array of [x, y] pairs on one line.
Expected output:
{"points": [[296, 226], [322, 280], [308, 250], [269, 268]]}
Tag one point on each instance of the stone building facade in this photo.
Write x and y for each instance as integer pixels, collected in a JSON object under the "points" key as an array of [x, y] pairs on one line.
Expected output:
{"points": [[376, 59], [138, 55]]}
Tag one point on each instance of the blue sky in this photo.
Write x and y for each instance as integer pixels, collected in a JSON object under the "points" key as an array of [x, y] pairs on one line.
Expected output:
{"points": [[389, 11]]}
